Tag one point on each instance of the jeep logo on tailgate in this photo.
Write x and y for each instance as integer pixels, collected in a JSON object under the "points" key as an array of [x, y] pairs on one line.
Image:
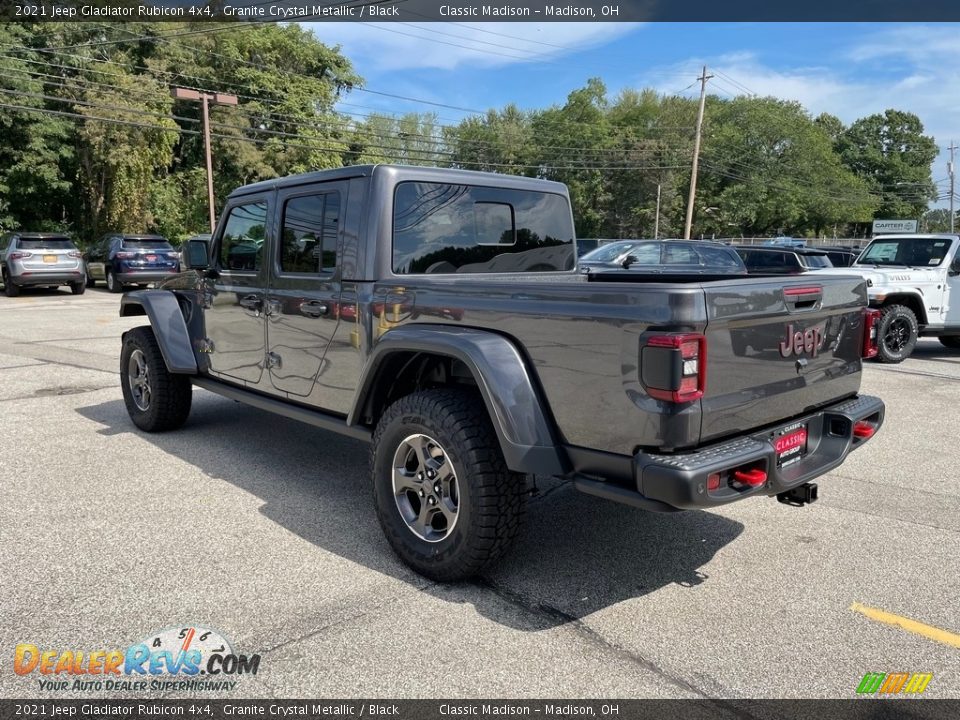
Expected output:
{"points": [[798, 342]]}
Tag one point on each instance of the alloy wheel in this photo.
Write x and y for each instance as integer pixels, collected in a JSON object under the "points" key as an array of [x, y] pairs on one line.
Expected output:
{"points": [[425, 488]]}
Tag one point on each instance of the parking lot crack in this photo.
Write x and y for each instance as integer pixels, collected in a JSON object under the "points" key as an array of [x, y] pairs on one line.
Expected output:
{"points": [[556, 616]]}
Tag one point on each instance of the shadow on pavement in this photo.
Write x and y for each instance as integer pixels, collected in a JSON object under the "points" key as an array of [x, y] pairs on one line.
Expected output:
{"points": [[575, 556]]}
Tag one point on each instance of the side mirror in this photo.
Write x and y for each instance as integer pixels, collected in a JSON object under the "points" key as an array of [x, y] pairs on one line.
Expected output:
{"points": [[196, 255], [955, 266]]}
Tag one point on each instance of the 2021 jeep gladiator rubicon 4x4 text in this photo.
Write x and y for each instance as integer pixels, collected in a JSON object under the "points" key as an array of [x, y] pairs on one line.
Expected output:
{"points": [[439, 315]]}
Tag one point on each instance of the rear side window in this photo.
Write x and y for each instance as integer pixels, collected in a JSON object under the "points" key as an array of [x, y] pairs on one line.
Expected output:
{"points": [[441, 228], [45, 244], [310, 234], [241, 247]]}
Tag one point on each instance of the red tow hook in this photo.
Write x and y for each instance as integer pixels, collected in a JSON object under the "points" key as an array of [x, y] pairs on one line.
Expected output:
{"points": [[863, 430], [753, 478]]}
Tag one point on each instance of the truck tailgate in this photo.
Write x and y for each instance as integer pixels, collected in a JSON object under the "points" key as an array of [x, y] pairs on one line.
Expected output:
{"points": [[778, 348]]}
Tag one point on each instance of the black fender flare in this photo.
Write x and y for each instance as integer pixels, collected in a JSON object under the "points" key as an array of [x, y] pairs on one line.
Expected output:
{"points": [[508, 389], [169, 326]]}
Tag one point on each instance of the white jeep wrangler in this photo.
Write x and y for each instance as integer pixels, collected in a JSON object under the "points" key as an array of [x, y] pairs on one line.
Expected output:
{"points": [[915, 281]]}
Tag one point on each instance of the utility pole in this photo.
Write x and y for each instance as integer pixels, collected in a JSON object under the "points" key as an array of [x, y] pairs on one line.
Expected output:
{"points": [[951, 173], [205, 99], [656, 221], [696, 153]]}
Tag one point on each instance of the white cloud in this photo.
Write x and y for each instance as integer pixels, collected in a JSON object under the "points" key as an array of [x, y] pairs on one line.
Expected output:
{"points": [[402, 46], [911, 68]]}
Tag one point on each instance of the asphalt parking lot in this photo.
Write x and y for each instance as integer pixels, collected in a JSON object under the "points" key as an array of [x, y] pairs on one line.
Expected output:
{"points": [[264, 529]]}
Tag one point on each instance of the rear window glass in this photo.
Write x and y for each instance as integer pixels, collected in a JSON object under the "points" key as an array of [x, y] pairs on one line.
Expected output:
{"points": [[442, 228], [146, 245], [45, 244], [818, 261]]}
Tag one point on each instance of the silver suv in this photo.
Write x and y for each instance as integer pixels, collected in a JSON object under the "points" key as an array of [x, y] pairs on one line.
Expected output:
{"points": [[51, 259]]}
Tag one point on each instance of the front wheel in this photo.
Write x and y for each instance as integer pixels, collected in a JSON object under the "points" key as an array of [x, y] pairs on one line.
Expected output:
{"points": [[156, 399], [445, 498], [898, 332]]}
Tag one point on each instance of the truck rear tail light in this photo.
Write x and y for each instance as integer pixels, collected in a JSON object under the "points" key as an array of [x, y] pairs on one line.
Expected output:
{"points": [[871, 330], [673, 366], [20, 255], [863, 430], [750, 478]]}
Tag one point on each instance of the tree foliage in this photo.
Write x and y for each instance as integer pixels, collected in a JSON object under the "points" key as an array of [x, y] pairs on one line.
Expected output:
{"points": [[91, 139]]}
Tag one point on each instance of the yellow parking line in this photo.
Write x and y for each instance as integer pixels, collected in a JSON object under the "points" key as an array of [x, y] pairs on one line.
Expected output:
{"points": [[917, 628]]}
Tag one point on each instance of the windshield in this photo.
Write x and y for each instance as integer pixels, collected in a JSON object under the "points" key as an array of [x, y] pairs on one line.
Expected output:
{"points": [[147, 244], [45, 244], [906, 251], [608, 253]]}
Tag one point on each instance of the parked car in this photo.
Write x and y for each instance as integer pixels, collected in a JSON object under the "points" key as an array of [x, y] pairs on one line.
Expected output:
{"points": [[914, 281], [664, 255], [119, 259], [841, 256], [469, 376], [767, 260], [785, 241], [40, 259]]}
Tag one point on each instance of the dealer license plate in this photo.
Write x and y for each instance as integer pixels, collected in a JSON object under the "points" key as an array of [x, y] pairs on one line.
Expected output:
{"points": [[791, 445]]}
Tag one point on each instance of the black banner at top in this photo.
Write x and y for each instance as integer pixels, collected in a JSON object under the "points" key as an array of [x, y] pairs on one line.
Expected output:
{"points": [[474, 11]]}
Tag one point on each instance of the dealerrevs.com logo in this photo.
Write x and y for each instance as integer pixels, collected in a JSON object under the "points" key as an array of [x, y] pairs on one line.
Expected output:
{"points": [[186, 659]]}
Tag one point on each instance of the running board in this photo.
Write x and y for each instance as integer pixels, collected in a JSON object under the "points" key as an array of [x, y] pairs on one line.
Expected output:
{"points": [[294, 412]]}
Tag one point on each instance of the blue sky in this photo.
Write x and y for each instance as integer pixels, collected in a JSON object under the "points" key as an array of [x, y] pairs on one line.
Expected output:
{"points": [[850, 70]]}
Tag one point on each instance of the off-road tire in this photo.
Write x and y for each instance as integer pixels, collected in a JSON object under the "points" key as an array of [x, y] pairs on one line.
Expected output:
{"points": [[950, 341], [895, 317], [9, 287], [170, 395], [78, 288], [113, 285], [491, 497]]}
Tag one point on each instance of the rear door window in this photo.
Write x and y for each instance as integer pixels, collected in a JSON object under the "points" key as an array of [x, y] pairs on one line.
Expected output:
{"points": [[310, 229]]}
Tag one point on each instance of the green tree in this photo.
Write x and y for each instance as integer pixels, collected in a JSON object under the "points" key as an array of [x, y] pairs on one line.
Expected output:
{"points": [[891, 153]]}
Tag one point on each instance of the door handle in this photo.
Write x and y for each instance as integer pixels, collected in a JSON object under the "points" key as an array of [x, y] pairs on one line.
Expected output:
{"points": [[252, 302], [314, 309]]}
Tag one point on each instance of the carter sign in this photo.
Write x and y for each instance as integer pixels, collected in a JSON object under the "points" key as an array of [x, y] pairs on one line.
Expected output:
{"points": [[798, 342]]}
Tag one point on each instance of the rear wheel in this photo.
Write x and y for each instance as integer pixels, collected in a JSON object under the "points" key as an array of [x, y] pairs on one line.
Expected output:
{"points": [[156, 399], [898, 332], [9, 287], [950, 341], [113, 285], [78, 288], [445, 498]]}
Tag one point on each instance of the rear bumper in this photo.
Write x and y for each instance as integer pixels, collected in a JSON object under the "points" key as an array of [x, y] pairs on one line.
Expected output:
{"points": [[55, 277], [679, 482], [144, 276]]}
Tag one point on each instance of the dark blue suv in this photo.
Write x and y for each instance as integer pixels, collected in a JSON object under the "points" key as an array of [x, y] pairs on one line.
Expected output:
{"points": [[120, 260]]}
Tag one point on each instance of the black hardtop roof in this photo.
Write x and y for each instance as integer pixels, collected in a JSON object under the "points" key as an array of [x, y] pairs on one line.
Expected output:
{"points": [[401, 173]]}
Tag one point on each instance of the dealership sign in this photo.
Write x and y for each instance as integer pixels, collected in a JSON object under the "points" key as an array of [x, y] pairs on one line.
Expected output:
{"points": [[881, 227]]}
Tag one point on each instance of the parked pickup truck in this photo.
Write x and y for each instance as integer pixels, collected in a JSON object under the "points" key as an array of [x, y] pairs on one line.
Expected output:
{"points": [[915, 281], [439, 315]]}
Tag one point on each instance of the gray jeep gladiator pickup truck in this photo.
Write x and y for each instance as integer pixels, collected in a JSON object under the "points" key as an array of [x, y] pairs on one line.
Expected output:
{"points": [[439, 315]]}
